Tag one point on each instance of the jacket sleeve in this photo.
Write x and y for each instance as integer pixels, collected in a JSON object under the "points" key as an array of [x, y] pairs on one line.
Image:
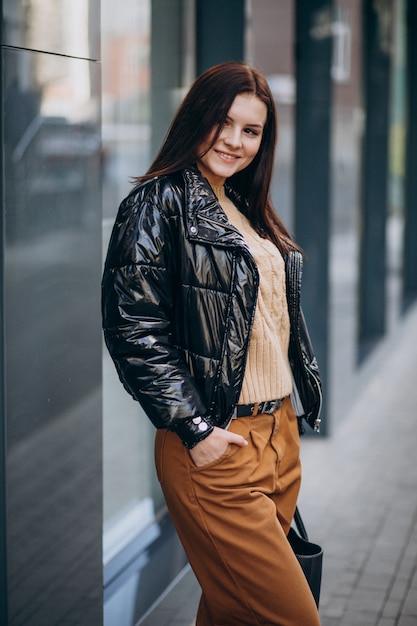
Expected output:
{"points": [[307, 391], [138, 292]]}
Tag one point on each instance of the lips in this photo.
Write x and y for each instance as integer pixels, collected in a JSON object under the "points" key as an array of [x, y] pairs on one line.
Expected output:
{"points": [[227, 157]]}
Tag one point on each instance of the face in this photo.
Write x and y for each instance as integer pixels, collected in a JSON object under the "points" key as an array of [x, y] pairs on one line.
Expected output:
{"points": [[238, 142]]}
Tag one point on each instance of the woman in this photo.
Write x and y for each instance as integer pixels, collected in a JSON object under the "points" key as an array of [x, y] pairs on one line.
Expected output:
{"points": [[201, 310]]}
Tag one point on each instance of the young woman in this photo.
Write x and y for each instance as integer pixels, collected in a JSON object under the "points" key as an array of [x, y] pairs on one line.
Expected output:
{"points": [[201, 310]]}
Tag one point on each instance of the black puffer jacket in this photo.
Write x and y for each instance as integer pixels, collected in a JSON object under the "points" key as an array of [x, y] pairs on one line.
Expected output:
{"points": [[179, 295]]}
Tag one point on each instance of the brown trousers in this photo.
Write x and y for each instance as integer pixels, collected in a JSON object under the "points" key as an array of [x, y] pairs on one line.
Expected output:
{"points": [[232, 516]]}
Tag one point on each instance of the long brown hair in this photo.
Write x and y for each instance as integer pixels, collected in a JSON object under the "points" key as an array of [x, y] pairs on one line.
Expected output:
{"points": [[205, 108]]}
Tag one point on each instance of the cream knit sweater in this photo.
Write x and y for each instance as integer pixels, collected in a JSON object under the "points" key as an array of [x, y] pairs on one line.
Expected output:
{"points": [[268, 374]]}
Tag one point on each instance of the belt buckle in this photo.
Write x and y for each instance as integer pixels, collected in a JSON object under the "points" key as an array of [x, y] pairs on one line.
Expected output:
{"points": [[271, 406]]}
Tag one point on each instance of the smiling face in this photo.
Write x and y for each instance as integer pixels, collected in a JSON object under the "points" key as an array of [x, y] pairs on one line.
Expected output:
{"points": [[238, 142]]}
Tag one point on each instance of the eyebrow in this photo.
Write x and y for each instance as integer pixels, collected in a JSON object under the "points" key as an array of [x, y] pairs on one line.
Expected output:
{"points": [[255, 125]]}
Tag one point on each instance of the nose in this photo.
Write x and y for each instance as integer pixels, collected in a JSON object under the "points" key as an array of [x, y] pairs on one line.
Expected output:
{"points": [[232, 137]]}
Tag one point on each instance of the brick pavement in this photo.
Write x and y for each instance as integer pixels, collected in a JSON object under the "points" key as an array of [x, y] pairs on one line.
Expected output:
{"points": [[360, 495], [359, 500]]}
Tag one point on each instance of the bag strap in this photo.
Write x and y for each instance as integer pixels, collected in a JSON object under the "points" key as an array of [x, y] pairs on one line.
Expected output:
{"points": [[300, 524]]}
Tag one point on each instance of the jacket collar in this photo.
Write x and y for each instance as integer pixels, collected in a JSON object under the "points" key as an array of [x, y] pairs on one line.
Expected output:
{"points": [[206, 220]]}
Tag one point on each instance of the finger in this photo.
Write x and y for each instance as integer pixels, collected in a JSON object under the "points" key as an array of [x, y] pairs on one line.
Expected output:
{"points": [[236, 439]]}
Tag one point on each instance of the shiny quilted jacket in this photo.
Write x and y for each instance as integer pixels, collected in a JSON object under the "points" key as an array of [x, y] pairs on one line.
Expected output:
{"points": [[179, 293]]}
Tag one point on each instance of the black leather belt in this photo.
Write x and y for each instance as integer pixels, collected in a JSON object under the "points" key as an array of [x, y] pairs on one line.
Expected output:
{"points": [[257, 408]]}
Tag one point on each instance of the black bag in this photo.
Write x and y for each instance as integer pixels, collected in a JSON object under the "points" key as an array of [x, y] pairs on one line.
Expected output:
{"points": [[309, 555]]}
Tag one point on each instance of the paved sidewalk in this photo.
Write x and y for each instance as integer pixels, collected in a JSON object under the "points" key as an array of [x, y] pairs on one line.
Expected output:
{"points": [[359, 500]]}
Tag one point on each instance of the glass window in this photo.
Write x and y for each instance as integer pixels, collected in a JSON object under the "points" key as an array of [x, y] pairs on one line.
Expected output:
{"points": [[269, 46], [129, 490], [68, 28], [147, 57], [396, 175], [346, 150], [51, 343]]}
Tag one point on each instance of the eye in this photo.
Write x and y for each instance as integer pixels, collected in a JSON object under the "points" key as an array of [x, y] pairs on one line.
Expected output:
{"points": [[251, 131]]}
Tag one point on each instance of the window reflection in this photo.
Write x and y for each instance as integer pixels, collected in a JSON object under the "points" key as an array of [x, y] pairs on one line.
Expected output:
{"points": [[130, 493], [147, 52], [397, 162], [52, 149], [270, 45], [347, 135], [51, 365], [61, 27]]}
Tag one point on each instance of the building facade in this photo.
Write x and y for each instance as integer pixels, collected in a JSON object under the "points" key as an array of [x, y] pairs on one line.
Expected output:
{"points": [[87, 93]]}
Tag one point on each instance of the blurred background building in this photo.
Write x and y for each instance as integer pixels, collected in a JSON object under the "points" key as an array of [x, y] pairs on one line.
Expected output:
{"points": [[88, 90]]}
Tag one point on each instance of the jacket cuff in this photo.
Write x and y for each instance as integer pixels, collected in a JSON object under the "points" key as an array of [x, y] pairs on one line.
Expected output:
{"points": [[192, 430]]}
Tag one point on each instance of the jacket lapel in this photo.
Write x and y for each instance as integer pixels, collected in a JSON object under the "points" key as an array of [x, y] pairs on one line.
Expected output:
{"points": [[206, 220]]}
